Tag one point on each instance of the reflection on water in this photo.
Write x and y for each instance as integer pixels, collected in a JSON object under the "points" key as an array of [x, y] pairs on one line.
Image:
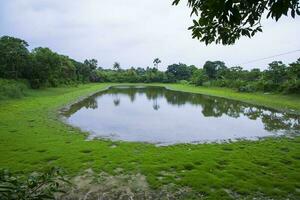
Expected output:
{"points": [[158, 115]]}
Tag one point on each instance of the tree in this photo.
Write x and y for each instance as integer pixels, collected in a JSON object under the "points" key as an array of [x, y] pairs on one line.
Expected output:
{"points": [[177, 72], [198, 77], [92, 63], [234, 73], [253, 75], [293, 71], [67, 70], [277, 72], [117, 66], [45, 69], [83, 71], [222, 21], [156, 61], [14, 56], [211, 69]]}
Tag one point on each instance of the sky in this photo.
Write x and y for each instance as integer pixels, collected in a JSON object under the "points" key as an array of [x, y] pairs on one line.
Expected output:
{"points": [[134, 32]]}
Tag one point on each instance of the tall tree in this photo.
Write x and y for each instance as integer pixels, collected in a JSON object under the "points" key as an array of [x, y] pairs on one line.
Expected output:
{"points": [[117, 66], [294, 77], [156, 62], [212, 68], [198, 77], [46, 68], [14, 56], [179, 72], [277, 72], [225, 21], [91, 63]]}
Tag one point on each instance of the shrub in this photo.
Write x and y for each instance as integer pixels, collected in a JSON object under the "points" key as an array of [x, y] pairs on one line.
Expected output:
{"points": [[238, 84], [291, 87], [35, 83], [246, 88], [12, 89], [198, 77], [36, 186], [220, 83], [267, 86], [184, 82]]}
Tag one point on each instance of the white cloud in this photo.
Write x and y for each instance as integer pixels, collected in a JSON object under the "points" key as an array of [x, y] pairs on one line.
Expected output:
{"points": [[133, 32]]}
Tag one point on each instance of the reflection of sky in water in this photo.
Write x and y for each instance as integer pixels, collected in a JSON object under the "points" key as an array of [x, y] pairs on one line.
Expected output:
{"points": [[156, 120]]}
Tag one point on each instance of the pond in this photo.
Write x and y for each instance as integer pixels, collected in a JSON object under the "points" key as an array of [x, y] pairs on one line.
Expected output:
{"points": [[162, 116]]}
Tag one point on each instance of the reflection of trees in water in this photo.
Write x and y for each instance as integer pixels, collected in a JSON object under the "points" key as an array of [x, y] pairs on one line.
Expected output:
{"points": [[155, 105], [90, 102], [117, 101], [211, 106]]}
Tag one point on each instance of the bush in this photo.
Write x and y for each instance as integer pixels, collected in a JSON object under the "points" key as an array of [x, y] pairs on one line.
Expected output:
{"points": [[220, 83], [36, 186], [238, 84], [247, 88], [184, 82], [291, 87], [35, 83], [12, 89], [269, 86]]}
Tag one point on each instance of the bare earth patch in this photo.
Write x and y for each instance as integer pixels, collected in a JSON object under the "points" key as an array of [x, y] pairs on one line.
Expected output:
{"points": [[90, 186]]}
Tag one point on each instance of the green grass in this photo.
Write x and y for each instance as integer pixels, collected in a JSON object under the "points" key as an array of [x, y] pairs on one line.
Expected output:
{"points": [[32, 138]]}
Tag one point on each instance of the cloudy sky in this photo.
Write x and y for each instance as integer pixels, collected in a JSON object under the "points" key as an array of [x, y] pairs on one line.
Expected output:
{"points": [[133, 32]]}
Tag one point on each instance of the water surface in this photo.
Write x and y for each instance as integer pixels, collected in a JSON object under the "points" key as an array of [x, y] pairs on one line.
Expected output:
{"points": [[161, 116]]}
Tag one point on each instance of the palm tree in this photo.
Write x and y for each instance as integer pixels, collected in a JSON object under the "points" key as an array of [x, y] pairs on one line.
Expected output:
{"points": [[156, 61], [116, 66]]}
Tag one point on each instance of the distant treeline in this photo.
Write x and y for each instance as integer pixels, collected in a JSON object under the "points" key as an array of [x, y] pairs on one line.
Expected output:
{"points": [[44, 68]]}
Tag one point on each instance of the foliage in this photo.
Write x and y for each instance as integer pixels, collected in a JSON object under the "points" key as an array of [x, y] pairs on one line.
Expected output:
{"points": [[13, 57], [12, 89], [36, 186], [277, 78], [184, 82], [214, 69], [225, 22], [117, 66], [179, 72], [132, 75], [198, 77], [92, 64], [44, 68], [156, 61]]}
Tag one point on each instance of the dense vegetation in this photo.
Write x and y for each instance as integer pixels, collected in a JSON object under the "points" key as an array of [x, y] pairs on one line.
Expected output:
{"points": [[36, 186], [12, 89], [42, 68], [277, 78]]}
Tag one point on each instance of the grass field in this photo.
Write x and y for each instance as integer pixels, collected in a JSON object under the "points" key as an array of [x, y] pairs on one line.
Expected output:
{"points": [[33, 138]]}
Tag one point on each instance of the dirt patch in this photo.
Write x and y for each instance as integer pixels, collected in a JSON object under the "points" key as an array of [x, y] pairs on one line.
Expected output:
{"points": [[90, 186]]}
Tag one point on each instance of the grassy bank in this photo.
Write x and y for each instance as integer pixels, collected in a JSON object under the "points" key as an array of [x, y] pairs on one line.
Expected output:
{"points": [[32, 138], [276, 101]]}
